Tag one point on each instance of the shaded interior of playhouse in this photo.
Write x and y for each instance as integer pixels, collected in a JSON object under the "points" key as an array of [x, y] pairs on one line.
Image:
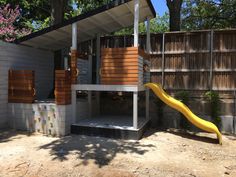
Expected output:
{"points": [[84, 80]]}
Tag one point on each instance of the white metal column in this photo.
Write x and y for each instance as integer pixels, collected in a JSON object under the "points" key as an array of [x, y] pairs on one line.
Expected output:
{"points": [[136, 23], [90, 103], [148, 38], [73, 103], [90, 62], [73, 92], [98, 58], [74, 36], [135, 110], [136, 44], [148, 48], [147, 97]]}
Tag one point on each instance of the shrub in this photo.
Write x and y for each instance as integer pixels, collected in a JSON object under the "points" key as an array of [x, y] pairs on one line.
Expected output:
{"points": [[183, 96], [213, 98]]}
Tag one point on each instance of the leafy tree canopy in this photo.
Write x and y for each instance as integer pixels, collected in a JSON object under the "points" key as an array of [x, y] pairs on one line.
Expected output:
{"points": [[159, 24], [208, 14]]}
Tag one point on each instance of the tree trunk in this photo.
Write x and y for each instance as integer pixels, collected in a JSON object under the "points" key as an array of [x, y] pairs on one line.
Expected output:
{"points": [[57, 11], [174, 10]]}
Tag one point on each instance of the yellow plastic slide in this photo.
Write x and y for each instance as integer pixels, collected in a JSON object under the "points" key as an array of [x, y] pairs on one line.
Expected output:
{"points": [[179, 106]]}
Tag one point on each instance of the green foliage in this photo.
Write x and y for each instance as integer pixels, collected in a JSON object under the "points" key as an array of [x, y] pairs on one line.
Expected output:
{"points": [[87, 5], [36, 14], [31, 11], [183, 96], [213, 98], [209, 14], [159, 24]]}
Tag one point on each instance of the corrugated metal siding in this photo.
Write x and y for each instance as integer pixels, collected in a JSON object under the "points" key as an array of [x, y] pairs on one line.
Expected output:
{"points": [[18, 57]]}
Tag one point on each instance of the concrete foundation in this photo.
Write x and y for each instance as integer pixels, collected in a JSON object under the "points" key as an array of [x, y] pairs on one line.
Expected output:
{"points": [[43, 117]]}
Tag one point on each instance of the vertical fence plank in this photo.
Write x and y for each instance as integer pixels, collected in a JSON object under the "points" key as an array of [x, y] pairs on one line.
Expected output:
{"points": [[163, 62], [211, 59]]}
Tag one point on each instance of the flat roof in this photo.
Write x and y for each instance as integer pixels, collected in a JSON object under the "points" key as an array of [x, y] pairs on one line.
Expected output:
{"points": [[103, 20]]}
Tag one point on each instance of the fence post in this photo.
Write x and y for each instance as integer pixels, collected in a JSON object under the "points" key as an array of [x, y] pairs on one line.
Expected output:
{"points": [[163, 62], [234, 112], [211, 60]]}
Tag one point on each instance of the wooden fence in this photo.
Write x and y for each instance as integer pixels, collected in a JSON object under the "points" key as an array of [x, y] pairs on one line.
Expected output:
{"points": [[194, 61]]}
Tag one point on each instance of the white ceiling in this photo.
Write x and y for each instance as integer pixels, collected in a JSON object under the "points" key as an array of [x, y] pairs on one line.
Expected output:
{"points": [[103, 23]]}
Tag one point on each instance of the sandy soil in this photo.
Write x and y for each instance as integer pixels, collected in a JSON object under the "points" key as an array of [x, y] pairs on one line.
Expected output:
{"points": [[163, 153]]}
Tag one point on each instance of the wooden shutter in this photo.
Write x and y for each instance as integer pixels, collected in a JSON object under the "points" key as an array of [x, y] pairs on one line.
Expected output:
{"points": [[63, 87], [21, 86]]}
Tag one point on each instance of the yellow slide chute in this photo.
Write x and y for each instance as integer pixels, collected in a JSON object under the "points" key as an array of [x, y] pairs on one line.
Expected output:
{"points": [[179, 106]]}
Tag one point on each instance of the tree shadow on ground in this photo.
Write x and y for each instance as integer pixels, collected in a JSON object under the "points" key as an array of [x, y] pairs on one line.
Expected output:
{"points": [[7, 135], [184, 134], [101, 150]]}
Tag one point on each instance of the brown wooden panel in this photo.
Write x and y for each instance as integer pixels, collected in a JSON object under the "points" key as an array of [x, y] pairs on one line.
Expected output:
{"points": [[156, 61], [122, 75], [222, 80], [63, 87], [23, 82], [18, 87], [120, 64], [120, 68], [119, 61], [20, 93], [118, 71], [21, 72], [119, 57], [125, 53], [21, 86], [109, 50]]}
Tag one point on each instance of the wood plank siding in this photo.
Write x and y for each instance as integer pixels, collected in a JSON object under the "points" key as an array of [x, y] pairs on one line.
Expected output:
{"points": [[63, 87], [21, 86], [198, 60], [16, 57], [122, 66]]}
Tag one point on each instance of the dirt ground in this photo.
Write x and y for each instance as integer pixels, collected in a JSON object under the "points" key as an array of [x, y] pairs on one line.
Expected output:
{"points": [[159, 153]]}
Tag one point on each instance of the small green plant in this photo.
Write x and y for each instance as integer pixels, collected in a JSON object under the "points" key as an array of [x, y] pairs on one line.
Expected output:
{"points": [[183, 96], [213, 98], [160, 105]]}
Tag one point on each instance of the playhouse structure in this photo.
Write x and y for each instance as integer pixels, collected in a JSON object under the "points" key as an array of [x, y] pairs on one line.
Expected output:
{"points": [[116, 70], [79, 81]]}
